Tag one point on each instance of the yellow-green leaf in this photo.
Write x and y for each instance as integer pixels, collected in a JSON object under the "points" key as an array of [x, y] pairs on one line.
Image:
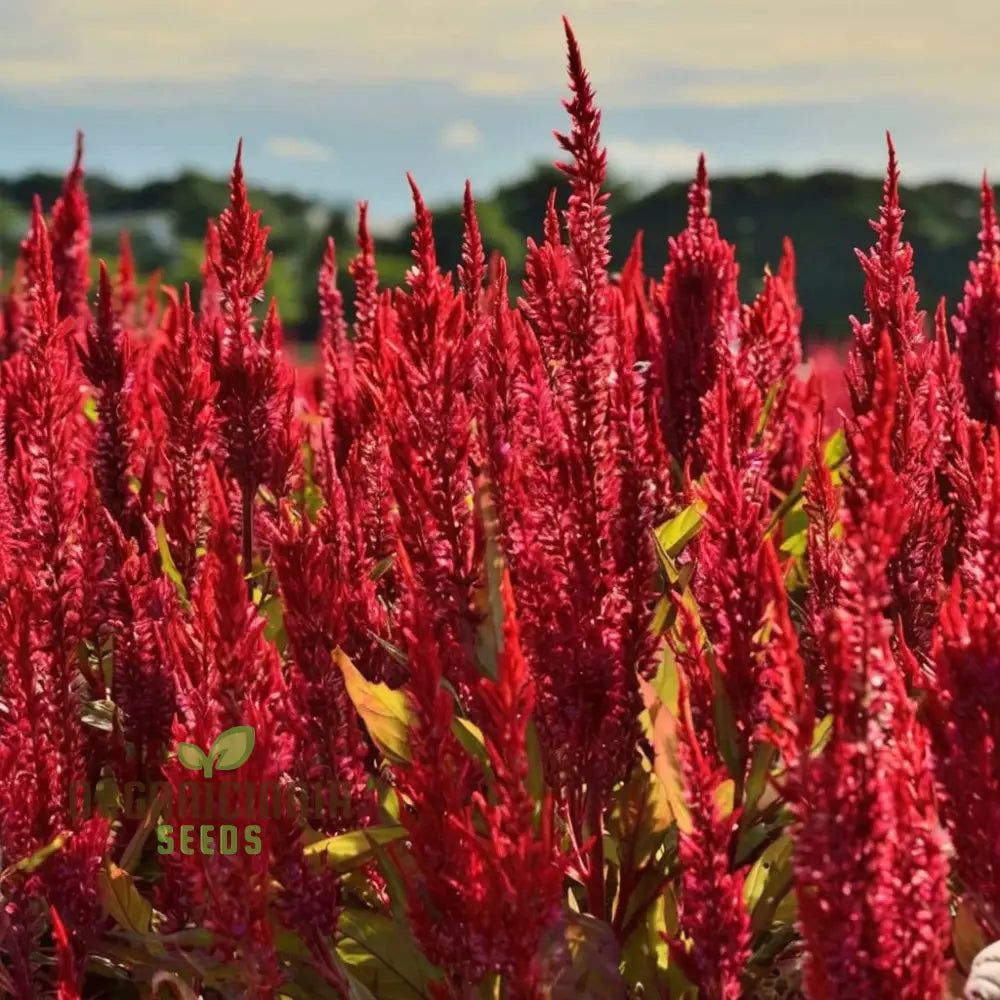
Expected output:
{"points": [[674, 534], [471, 737], [130, 910], [640, 815], [349, 850], [385, 712], [380, 953], [167, 560], [768, 881]]}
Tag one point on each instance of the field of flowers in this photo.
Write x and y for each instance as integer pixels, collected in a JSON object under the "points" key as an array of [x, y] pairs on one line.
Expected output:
{"points": [[626, 665]]}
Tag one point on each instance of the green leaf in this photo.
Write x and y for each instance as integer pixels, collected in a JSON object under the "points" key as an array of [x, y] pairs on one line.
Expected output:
{"points": [[191, 756], [167, 560], [232, 748], [385, 712], [36, 860], [645, 955], [381, 568], [765, 413], [768, 881], [640, 815], [90, 410], [349, 850], [471, 738], [822, 734], [679, 530], [381, 954], [130, 910], [835, 450]]}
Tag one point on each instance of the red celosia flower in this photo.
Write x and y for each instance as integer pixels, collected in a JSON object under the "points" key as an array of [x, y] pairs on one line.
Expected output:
{"points": [[70, 229], [771, 354], [338, 398], [977, 322], [870, 864], [185, 394], [428, 417], [697, 312], [727, 584], [471, 909], [711, 909], [107, 364], [256, 385], [963, 700], [916, 569]]}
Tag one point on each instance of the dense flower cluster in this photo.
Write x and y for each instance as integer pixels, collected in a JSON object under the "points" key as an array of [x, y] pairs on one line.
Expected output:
{"points": [[585, 645]]}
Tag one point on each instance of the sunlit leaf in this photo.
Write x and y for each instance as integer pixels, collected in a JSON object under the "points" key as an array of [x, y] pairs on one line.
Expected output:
{"points": [[127, 906], [349, 850], [385, 712]]}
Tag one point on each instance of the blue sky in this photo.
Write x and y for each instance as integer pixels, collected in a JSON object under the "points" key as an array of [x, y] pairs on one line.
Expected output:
{"points": [[340, 99]]}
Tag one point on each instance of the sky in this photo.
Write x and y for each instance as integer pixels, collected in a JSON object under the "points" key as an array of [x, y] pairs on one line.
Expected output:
{"points": [[339, 100]]}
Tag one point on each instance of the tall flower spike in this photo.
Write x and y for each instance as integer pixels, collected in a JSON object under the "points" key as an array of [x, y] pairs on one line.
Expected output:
{"points": [[339, 396], [428, 419], [977, 322], [964, 719], [126, 289], [473, 266], [185, 394], [697, 311], [711, 911], [70, 229], [869, 848], [256, 383], [107, 364], [916, 570]]}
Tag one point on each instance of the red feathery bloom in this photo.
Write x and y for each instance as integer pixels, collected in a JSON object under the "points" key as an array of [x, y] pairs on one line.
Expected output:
{"points": [[126, 290], [338, 397], [697, 314], [824, 558], [771, 353], [49, 485], [960, 443], [143, 688], [711, 908], [228, 674], [962, 705], [428, 416], [567, 437], [45, 758], [977, 322], [70, 231], [472, 270], [470, 908], [330, 602], [916, 569], [185, 394], [870, 862], [256, 386], [107, 364], [727, 584]]}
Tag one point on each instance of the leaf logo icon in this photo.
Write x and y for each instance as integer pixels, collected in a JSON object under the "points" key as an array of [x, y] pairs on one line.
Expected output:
{"points": [[230, 750]]}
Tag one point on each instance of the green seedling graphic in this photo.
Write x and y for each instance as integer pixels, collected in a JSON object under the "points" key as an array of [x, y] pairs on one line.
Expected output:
{"points": [[230, 750]]}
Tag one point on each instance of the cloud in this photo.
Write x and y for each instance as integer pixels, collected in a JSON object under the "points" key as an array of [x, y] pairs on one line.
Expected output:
{"points": [[288, 148], [640, 53], [651, 161], [461, 135]]}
